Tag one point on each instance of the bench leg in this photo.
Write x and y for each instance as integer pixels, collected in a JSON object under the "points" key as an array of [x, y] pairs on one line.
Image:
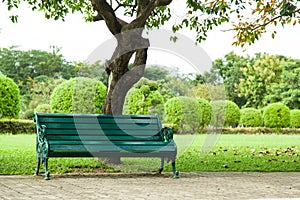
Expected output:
{"points": [[47, 174], [161, 168], [37, 169], [175, 172]]}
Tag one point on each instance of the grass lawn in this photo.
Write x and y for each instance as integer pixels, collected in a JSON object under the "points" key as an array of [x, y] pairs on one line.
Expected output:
{"points": [[270, 152]]}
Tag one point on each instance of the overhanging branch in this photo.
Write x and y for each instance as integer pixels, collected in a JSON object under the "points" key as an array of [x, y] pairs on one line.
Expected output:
{"points": [[260, 25]]}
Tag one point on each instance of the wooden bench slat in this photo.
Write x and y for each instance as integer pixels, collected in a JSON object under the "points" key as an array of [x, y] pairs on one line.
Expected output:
{"points": [[107, 142], [100, 138], [102, 132], [97, 120], [119, 148], [101, 126]]}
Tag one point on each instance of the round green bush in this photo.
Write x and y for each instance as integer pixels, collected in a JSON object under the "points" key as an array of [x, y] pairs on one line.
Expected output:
{"points": [[276, 115], [183, 112], [225, 113], [78, 95], [9, 98], [204, 112], [251, 117], [295, 118], [43, 108]]}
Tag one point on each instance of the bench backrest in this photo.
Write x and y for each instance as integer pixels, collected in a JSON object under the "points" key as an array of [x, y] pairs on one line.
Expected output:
{"points": [[99, 127]]}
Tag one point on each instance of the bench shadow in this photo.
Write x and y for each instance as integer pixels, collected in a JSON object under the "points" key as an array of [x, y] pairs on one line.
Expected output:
{"points": [[110, 175]]}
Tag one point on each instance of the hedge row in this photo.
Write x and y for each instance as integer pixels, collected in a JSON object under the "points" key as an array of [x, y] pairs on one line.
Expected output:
{"points": [[17, 126], [14, 126]]}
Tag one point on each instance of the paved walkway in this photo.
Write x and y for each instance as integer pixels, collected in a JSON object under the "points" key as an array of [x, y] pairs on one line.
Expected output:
{"points": [[146, 186]]}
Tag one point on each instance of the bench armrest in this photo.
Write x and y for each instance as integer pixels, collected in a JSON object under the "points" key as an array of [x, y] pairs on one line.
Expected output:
{"points": [[42, 146], [166, 134]]}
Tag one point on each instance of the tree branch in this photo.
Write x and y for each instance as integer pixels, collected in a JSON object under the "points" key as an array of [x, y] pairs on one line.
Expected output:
{"points": [[261, 25], [106, 13], [145, 10], [162, 2]]}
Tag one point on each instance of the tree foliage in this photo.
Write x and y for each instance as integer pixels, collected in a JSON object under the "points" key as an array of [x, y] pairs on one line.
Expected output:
{"points": [[249, 21], [287, 90], [156, 73], [258, 75], [229, 68]]}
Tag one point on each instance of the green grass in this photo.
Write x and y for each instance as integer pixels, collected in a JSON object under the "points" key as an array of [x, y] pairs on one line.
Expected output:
{"points": [[243, 153], [271, 152]]}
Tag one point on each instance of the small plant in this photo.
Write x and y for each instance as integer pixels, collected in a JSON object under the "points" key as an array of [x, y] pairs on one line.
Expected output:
{"points": [[78, 95], [251, 117], [9, 98], [295, 118], [277, 115]]}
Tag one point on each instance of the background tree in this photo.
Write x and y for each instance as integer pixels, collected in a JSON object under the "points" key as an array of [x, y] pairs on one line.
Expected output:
{"points": [[94, 71], [259, 75], [248, 18], [156, 73], [24, 66], [229, 69], [287, 90]]}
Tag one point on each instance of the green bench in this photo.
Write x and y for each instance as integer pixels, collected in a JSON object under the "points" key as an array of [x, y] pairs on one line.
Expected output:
{"points": [[99, 135]]}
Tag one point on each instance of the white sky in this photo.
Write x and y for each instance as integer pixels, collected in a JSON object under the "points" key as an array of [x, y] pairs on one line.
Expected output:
{"points": [[78, 38]]}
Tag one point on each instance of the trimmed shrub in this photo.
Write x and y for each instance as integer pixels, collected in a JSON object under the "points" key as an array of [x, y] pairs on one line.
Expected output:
{"points": [[251, 117], [204, 112], [145, 101], [17, 126], [225, 113], [276, 115], [9, 98], [295, 118], [43, 108], [78, 95], [183, 112], [144, 98]]}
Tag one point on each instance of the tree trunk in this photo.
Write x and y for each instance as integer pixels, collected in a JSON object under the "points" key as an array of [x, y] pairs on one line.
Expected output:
{"points": [[121, 78], [130, 41]]}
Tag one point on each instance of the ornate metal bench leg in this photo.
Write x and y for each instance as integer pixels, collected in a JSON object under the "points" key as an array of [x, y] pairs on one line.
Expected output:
{"points": [[176, 173], [37, 169], [47, 174], [161, 168]]}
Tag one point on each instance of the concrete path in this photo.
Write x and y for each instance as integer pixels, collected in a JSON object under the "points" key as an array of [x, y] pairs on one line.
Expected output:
{"points": [[146, 186]]}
